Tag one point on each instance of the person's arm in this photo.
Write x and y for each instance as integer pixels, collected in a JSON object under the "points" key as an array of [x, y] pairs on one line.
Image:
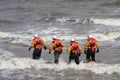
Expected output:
{"points": [[44, 44], [69, 48], [80, 48], [86, 47], [51, 47], [62, 44], [31, 45], [97, 46]]}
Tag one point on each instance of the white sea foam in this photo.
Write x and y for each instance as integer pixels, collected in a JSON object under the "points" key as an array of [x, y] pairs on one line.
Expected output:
{"points": [[26, 38], [63, 19], [23, 63], [108, 21]]}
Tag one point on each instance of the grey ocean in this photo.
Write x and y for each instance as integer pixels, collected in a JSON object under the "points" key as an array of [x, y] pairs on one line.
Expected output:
{"points": [[20, 19]]}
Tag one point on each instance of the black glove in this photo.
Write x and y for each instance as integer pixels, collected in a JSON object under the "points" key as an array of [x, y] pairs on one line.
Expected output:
{"points": [[49, 52], [29, 49], [85, 52], [45, 47], [97, 50]]}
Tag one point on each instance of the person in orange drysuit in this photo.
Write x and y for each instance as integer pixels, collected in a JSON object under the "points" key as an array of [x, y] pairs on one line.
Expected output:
{"points": [[74, 50], [37, 43], [57, 46], [91, 47]]}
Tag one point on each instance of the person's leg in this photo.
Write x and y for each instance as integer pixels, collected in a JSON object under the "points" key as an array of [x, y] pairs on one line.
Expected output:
{"points": [[35, 54], [56, 56], [70, 57], [88, 56], [93, 56], [76, 59], [39, 53]]}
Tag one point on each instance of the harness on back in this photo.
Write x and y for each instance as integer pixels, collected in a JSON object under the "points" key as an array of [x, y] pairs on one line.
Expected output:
{"points": [[38, 43], [75, 47], [92, 44], [58, 46]]}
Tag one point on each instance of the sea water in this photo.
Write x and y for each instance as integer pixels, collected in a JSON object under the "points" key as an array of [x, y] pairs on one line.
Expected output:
{"points": [[21, 19]]}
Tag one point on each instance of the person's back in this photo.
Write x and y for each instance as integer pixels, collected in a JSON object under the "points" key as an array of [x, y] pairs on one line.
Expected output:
{"points": [[74, 50], [57, 46], [37, 43], [90, 48], [74, 46], [91, 43]]}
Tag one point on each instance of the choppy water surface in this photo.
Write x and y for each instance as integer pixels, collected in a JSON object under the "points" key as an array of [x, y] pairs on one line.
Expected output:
{"points": [[20, 19]]}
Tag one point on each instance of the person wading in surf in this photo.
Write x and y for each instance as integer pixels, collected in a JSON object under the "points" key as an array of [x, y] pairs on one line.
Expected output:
{"points": [[37, 43], [91, 47], [74, 50], [57, 46]]}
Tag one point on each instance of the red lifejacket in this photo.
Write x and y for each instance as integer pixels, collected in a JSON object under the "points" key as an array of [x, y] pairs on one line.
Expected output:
{"points": [[57, 43], [75, 47], [38, 43], [92, 44]]}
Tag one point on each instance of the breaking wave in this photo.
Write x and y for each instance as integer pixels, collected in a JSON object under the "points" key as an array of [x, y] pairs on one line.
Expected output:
{"points": [[108, 21], [23, 63], [26, 38], [104, 21]]}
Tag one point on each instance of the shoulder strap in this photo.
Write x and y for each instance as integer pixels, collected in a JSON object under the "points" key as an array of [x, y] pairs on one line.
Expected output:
{"points": [[57, 42], [37, 40], [92, 41], [74, 45]]}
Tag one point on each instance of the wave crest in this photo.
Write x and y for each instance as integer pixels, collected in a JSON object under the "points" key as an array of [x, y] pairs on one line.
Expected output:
{"points": [[23, 63]]}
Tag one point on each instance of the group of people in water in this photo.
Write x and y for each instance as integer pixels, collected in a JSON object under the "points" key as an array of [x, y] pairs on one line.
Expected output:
{"points": [[74, 49]]}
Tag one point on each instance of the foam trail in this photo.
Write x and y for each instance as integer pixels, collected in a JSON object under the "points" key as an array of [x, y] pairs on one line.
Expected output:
{"points": [[23, 63]]}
